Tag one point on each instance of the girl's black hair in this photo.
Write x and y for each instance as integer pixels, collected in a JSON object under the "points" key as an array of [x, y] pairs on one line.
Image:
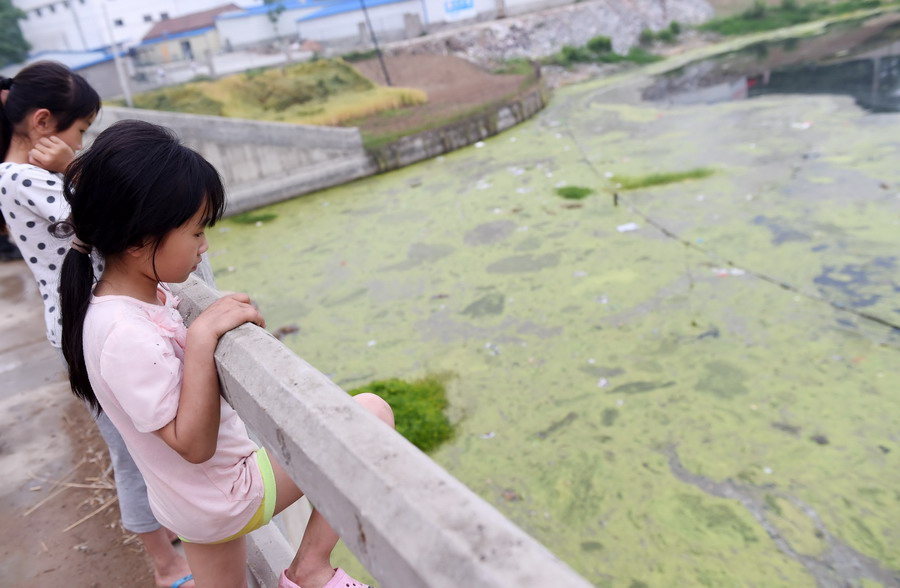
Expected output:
{"points": [[135, 184], [45, 84]]}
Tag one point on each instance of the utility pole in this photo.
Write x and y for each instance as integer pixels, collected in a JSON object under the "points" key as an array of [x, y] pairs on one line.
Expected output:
{"points": [[123, 79], [384, 70]]}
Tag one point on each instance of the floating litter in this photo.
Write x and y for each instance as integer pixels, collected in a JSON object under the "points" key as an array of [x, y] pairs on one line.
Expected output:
{"points": [[627, 227]]}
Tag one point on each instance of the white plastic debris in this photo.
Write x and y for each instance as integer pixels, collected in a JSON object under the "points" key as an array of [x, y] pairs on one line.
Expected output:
{"points": [[602, 383], [372, 343], [489, 435], [479, 144], [627, 227]]}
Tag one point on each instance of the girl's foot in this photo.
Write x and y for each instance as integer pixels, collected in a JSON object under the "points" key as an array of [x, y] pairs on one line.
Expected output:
{"points": [[167, 578], [332, 579]]}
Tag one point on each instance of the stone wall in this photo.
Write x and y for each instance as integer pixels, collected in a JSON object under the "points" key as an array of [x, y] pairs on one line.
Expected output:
{"points": [[478, 126], [540, 34]]}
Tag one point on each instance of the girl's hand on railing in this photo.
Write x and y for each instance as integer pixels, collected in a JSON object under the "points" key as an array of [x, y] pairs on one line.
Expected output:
{"points": [[226, 313]]}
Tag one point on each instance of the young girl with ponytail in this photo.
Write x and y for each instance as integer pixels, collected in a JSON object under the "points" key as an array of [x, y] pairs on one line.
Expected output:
{"points": [[44, 112]]}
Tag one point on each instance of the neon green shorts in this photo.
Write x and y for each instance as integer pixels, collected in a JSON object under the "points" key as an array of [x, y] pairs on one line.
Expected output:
{"points": [[266, 509]]}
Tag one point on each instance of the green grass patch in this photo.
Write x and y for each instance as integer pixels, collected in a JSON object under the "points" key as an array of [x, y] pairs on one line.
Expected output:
{"points": [[658, 179], [574, 192], [251, 218], [598, 50], [667, 35], [418, 409], [322, 92], [763, 17], [355, 56], [516, 66]]}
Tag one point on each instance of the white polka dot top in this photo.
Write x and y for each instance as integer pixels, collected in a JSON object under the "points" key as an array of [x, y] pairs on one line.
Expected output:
{"points": [[31, 200]]}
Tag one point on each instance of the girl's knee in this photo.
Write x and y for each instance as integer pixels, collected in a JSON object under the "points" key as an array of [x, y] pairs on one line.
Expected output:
{"points": [[377, 406]]}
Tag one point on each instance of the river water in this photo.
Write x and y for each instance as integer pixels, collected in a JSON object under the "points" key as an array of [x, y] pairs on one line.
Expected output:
{"points": [[690, 384]]}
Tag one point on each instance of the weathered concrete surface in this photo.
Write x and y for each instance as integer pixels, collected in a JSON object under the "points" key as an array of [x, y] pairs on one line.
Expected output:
{"points": [[410, 522], [733, 325], [261, 162], [45, 435]]}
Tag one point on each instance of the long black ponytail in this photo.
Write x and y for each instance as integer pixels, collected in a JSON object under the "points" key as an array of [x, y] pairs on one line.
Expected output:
{"points": [[135, 184], [44, 84]]}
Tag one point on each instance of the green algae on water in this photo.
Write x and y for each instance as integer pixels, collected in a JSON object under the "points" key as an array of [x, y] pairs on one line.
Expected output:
{"points": [[574, 192], [658, 179], [251, 218], [418, 409]]}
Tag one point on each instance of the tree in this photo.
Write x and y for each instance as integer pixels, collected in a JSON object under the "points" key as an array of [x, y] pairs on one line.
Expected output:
{"points": [[13, 46]]}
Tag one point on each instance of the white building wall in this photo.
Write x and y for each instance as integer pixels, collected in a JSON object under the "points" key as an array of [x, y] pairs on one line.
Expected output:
{"points": [[386, 19], [257, 28], [80, 25], [442, 11]]}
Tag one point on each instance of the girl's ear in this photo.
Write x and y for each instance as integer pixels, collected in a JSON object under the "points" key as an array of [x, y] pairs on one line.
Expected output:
{"points": [[42, 121], [136, 250]]}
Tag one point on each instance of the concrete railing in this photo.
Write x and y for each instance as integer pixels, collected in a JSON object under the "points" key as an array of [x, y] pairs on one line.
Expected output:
{"points": [[407, 520]]}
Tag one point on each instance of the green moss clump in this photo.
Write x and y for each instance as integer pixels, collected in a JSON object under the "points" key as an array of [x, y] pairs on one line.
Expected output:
{"points": [[418, 409], [657, 179], [251, 218], [574, 192]]}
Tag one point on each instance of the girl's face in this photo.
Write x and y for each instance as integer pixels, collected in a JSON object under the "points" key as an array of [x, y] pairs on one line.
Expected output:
{"points": [[74, 135], [179, 253]]}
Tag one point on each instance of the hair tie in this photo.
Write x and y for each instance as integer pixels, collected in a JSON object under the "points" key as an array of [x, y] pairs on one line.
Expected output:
{"points": [[6, 83], [81, 246]]}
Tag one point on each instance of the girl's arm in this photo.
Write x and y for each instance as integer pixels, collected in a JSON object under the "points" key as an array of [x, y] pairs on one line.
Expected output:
{"points": [[194, 431]]}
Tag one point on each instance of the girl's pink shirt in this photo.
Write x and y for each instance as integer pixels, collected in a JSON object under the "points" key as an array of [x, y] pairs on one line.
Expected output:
{"points": [[134, 352]]}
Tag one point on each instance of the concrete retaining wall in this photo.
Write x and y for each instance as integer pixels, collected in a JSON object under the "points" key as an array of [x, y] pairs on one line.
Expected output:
{"points": [[261, 162], [407, 520], [490, 121]]}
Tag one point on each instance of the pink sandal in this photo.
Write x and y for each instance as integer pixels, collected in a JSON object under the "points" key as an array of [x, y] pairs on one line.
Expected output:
{"points": [[339, 580]]}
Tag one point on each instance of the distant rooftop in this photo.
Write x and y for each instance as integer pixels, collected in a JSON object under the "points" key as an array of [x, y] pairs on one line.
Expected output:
{"points": [[266, 8], [341, 6], [189, 22]]}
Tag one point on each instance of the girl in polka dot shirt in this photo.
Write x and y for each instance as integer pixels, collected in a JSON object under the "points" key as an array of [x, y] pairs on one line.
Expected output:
{"points": [[44, 113]]}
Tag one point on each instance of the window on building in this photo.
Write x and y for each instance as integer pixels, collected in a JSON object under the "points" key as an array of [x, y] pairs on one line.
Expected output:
{"points": [[119, 22], [148, 18], [163, 16]]}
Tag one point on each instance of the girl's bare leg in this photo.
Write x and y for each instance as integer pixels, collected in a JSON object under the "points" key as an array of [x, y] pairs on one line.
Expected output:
{"points": [[223, 565], [168, 565], [311, 567]]}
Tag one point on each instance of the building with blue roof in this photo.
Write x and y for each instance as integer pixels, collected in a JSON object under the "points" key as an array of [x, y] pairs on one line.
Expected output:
{"points": [[329, 22]]}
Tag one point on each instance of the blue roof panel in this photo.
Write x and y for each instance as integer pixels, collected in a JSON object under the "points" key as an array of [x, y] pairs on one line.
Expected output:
{"points": [[342, 6]]}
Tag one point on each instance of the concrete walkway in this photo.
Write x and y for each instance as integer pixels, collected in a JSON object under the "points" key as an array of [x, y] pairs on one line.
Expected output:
{"points": [[44, 435]]}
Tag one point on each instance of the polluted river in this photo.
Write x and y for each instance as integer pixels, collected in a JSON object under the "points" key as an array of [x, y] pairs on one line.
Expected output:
{"points": [[667, 383]]}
